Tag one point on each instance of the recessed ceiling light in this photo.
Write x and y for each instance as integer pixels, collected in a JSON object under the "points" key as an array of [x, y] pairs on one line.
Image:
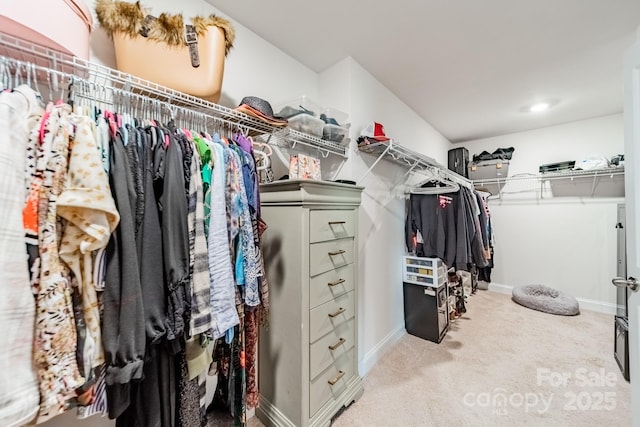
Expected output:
{"points": [[540, 106]]}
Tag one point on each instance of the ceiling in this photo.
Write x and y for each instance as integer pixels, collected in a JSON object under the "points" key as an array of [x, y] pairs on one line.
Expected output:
{"points": [[470, 68]]}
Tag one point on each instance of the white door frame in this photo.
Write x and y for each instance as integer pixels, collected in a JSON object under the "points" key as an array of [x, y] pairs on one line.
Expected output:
{"points": [[632, 186]]}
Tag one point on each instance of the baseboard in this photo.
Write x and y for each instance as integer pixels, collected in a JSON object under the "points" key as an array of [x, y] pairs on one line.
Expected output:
{"points": [[585, 304], [500, 288], [373, 355], [598, 306], [270, 415]]}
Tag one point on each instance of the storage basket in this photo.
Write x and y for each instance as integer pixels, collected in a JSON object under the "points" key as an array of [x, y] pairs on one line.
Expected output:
{"points": [[156, 49], [60, 25]]}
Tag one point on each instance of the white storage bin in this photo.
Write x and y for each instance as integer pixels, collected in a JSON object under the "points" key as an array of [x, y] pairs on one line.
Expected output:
{"points": [[307, 124]]}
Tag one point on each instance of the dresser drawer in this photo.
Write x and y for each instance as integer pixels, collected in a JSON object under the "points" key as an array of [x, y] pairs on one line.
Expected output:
{"points": [[327, 286], [324, 352], [329, 384], [329, 255], [324, 318], [331, 224]]}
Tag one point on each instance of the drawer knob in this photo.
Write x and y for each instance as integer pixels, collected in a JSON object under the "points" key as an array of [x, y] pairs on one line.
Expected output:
{"points": [[338, 344], [336, 283], [337, 313], [337, 378], [337, 222], [340, 252]]}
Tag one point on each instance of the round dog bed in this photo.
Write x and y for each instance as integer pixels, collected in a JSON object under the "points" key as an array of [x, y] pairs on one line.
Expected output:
{"points": [[546, 299]]}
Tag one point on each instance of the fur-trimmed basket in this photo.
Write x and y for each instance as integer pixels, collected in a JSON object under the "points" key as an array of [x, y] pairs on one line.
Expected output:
{"points": [[156, 49]]}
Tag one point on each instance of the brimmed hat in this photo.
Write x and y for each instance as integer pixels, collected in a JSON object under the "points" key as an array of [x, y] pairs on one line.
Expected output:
{"points": [[260, 109]]}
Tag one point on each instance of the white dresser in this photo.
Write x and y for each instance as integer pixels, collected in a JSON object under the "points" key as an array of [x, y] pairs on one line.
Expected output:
{"points": [[308, 355]]}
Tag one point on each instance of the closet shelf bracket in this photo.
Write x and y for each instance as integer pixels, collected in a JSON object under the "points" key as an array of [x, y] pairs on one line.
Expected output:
{"points": [[396, 153]]}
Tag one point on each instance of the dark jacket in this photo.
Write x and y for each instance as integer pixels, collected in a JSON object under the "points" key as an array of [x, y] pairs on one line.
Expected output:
{"points": [[435, 217], [172, 206], [149, 240], [476, 250], [123, 329], [484, 223], [464, 223]]}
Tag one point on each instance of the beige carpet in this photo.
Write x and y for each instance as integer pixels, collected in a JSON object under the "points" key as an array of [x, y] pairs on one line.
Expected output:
{"points": [[499, 365]]}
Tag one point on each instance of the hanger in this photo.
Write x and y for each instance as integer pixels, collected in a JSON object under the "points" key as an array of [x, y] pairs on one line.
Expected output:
{"points": [[484, 191], [443, 185], [262, 147], [17, 80], [264, 160]]}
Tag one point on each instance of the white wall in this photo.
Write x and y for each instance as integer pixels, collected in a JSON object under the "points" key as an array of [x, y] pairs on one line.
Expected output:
{"points": [[347, 85], [568, 246], [565, 243], [601, 136]]}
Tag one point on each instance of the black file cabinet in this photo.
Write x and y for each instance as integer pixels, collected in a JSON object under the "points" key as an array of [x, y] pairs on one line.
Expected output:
{"points": [[426, 314]]}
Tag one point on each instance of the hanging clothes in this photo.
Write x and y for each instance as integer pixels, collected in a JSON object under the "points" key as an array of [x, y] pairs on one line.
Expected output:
{"points": [[199, 267], [56, 339], [484, 273], [123, 321], [448, 226], [149, 240], [435, 217], [18, 382], [175, 235], [130, 248], [91, 216], [220, 270]]}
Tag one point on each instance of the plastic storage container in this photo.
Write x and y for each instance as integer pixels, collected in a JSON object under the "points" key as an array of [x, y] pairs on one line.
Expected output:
{"points": [[332, 114], [335, 133], [308, 124], [424, 271], [61, 25], [336, 128], [301, 105]]}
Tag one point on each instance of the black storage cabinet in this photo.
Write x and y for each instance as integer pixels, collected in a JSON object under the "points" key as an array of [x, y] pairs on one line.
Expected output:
{"points": [[426, 313], [459, 161]]}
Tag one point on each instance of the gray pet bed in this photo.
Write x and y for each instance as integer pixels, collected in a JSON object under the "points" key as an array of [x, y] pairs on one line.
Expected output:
{"points": [[546, 299]]}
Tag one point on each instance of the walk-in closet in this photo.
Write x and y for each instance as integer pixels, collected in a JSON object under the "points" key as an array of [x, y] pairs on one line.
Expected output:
{"points": [[286, 214]]}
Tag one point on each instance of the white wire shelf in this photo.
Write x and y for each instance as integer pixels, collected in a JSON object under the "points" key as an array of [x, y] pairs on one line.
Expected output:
{"points": [[57, 70], [296, 137], [396, 153], [605, 182]]}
